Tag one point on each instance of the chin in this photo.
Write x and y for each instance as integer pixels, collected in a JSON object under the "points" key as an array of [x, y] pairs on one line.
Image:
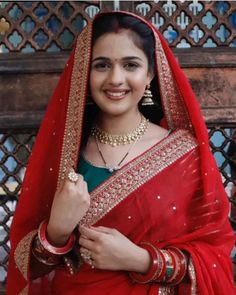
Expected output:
{"points": [[115, 110]]}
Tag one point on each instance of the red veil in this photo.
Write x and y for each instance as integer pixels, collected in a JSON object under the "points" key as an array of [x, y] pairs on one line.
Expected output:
{"points": [[57, 148]]}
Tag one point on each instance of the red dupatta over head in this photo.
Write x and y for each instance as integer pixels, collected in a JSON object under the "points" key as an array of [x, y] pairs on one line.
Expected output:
{"points": [[58, 143]]}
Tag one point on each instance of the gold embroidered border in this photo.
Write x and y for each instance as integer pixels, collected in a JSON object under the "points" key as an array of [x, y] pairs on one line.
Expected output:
{"points": [[166, 290], [126, 180], [22, 253], [174, 108], [76, 102], [192, 275]]}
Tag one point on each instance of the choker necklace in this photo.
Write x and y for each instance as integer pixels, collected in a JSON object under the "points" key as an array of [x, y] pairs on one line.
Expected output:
{"points": [[120, 139]]}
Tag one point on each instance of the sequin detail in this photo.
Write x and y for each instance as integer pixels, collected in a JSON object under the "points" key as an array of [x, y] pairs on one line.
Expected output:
{"points": [[22, 253], [126, 180], [76, 103]]}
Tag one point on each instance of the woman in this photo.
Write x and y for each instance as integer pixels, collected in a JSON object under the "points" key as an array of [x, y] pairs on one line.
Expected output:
{"points": [[148, 199]]}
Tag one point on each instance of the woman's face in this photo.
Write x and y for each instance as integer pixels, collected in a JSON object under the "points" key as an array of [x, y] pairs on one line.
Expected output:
{"points": [[119, 73]]}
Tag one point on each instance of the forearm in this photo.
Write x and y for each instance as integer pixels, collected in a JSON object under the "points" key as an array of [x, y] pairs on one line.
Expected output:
{"points": [[140, 260]]}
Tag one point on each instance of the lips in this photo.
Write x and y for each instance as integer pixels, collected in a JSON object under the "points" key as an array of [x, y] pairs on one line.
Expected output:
{"points": [[117, 94]]}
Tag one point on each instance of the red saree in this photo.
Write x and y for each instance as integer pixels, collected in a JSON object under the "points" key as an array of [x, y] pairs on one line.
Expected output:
{"points": [[171, 195]]}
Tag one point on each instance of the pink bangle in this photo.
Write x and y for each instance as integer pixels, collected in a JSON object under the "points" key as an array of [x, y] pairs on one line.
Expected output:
{"points": [[50, 248]]}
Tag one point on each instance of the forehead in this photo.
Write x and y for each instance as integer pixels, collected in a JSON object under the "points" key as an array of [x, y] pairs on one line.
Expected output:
{"points": [[117, 45]]}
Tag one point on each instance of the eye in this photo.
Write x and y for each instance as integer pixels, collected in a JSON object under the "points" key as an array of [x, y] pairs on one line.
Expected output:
{"points": [[131, 66], [101, 66]]}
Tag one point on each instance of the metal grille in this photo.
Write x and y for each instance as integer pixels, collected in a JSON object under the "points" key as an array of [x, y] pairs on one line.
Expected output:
{"points": [[51, 26], [15, 147]]}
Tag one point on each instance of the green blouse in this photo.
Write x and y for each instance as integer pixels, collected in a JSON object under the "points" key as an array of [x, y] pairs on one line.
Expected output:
{"points": [[93, 175]]}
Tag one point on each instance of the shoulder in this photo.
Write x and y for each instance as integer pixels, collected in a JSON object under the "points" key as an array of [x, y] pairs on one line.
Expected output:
{"points": [[155, 133]]}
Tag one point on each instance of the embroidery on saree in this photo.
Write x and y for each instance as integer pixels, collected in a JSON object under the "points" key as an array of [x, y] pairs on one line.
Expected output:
{"points": [[176, 113], [166, 290], [22, 253], [126, 180], [72, 133], [192, 275]]}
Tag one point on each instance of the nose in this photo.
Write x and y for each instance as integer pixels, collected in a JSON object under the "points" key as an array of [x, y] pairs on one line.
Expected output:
{"points": [[116, 76]]}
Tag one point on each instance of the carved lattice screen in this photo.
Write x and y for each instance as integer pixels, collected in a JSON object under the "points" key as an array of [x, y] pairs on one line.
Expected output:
{"points": [[52, 25]]}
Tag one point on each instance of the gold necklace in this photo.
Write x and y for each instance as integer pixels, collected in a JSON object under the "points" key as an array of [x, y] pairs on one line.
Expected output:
{"points": [[120, 139]]}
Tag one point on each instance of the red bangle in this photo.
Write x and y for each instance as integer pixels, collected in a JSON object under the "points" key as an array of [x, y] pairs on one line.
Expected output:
{"points": [[50, 248], [157, 265], [170, 265], [182, 266], [43, 256], [175, 268], [161, 275]]}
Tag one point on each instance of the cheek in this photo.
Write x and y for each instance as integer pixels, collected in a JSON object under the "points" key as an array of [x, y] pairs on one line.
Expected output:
{"points": [[95, 81], [139, 81]]}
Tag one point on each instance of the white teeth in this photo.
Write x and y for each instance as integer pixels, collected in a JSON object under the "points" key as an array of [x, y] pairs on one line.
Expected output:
{"points": [[116, 94]]}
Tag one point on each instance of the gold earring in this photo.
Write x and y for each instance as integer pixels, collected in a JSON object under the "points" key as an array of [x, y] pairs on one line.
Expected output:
{"points": [[147, 97]]}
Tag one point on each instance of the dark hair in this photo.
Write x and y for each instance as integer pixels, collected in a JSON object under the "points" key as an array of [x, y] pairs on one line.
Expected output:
{"points": [[142, 35], [143, 38]]}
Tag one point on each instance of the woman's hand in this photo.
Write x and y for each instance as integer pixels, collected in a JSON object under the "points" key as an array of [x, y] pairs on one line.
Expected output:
{"points": [[111, 250], [70, 204]]}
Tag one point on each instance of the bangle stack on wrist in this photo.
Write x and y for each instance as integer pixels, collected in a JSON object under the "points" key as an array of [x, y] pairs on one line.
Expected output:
{"points": [[46, 253], [180, 266], [167, 266]]}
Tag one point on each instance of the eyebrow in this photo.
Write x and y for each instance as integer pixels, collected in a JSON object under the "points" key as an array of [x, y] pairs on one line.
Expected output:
{"points": [[126, 58]]}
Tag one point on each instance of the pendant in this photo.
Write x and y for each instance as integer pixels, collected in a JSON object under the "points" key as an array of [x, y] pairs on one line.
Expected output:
{"points": [[112, 169]]}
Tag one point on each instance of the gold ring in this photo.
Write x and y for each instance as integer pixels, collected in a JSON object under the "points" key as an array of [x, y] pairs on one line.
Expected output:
{"points": [[72, 176]]}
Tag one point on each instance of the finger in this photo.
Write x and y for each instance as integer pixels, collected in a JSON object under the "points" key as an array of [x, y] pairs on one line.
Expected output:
{"points": [[78, 182], [61, 186], [86, 243], [84, 250], [103, 229], [89, 233], [85, 186]]}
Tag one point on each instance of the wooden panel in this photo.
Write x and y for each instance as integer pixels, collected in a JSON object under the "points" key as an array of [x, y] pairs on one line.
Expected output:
{"points": [[27, 83], [215, 89], [24, 98]]}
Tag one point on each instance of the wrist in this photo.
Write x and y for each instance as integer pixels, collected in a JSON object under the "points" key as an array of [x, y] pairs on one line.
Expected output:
{"points": [[55, 237], [141, 260]]}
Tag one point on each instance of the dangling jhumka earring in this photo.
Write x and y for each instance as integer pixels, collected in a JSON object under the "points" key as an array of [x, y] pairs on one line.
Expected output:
{"points": [[147, 97]]}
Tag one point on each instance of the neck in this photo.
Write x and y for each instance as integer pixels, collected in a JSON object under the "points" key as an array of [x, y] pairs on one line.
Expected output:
{"points": [[119, 124]]}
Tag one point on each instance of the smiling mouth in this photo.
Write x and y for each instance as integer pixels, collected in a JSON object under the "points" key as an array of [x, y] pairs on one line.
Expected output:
{"points": [[116, 95]]}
